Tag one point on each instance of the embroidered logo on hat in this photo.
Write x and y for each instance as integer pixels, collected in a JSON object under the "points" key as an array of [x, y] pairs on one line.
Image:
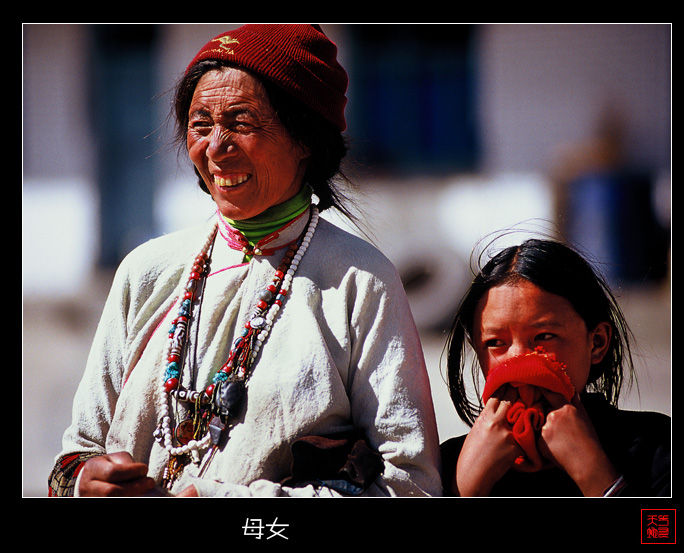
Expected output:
{"points": [[226, 42]]}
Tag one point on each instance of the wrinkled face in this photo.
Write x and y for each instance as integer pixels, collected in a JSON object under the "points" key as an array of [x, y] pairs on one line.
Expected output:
{"points": [[513, 319], [242, 151]]}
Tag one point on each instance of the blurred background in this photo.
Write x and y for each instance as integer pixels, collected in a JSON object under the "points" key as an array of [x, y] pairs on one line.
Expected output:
{"points": [[457, 133]]}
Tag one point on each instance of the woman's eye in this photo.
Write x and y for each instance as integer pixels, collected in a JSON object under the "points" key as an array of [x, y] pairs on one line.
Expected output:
{"points": [[200, 126], [241, 127], [544, 336]]}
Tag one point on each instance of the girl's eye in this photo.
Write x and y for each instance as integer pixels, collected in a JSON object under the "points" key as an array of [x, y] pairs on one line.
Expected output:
{"points": [[493, 343], [544, 336]]}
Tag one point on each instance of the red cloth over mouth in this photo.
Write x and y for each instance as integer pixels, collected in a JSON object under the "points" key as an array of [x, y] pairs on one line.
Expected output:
{"points": [[528, 373]]}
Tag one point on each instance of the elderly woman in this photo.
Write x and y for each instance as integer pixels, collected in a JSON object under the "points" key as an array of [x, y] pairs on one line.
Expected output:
{"points": [[268, 353]]}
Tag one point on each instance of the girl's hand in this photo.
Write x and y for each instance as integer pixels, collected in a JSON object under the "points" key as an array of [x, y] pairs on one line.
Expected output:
{"points": [[489, 450], [569, 440]]}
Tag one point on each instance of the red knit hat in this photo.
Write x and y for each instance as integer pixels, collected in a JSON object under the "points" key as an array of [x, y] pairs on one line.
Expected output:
{"points": [[299, 59]]}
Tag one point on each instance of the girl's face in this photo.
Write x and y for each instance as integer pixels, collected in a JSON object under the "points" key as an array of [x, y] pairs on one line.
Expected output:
{"points": [[513, 319]]}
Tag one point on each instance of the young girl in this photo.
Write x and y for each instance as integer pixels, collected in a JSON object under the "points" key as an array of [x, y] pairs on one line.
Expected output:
{"points": [[551, 341]]}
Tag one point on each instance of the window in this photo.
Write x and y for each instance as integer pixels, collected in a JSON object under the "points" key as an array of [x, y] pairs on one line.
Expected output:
{"points": [[412, 92]]}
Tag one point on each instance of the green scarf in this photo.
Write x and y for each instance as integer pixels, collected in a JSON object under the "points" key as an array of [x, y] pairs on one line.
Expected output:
{"points": [[275, 217]]}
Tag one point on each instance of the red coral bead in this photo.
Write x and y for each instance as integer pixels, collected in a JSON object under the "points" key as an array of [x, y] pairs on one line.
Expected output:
{"points": [[171, 384]]}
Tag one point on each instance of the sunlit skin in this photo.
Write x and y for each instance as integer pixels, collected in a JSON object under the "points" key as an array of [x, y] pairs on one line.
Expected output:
{"points": [[114, 475], [514, 319], [244, 154]]}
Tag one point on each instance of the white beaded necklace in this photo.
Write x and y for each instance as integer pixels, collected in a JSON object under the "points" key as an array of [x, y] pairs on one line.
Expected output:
{"points": [[234, 370]]}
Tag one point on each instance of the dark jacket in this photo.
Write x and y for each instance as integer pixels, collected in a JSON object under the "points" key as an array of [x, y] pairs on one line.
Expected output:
{"points": [[638, 443]]}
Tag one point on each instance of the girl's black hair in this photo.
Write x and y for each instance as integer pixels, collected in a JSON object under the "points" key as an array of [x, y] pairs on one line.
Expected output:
{"points": [[559, 270]]}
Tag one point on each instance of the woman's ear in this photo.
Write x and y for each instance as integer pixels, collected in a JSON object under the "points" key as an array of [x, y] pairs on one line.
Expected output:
{"points": [[600, 338]]}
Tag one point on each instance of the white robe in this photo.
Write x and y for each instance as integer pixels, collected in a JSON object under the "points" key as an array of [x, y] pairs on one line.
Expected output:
{"points": [[343, 353]]}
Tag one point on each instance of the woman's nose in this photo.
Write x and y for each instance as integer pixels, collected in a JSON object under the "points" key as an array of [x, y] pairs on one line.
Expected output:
{"points": [[221, 143]]}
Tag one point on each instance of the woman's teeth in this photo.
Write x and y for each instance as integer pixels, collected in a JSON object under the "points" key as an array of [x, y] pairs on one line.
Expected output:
{"points": [[230, 181]]}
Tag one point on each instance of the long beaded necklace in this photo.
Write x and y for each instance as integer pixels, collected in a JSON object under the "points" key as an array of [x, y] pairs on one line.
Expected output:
{"points": [[213, 407]]}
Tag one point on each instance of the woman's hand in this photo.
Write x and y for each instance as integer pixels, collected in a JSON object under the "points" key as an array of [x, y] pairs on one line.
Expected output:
{"points": [[568, 439], [114, 475], [489, 450]]}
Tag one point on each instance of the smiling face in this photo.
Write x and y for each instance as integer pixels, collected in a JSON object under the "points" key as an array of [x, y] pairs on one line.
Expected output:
{"points": [[245, 156], [515, 318]]}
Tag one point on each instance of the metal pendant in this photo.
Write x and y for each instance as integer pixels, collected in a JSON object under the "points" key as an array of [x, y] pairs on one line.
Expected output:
{"points": [[185, 431], [229, 398], [215, 428]]}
